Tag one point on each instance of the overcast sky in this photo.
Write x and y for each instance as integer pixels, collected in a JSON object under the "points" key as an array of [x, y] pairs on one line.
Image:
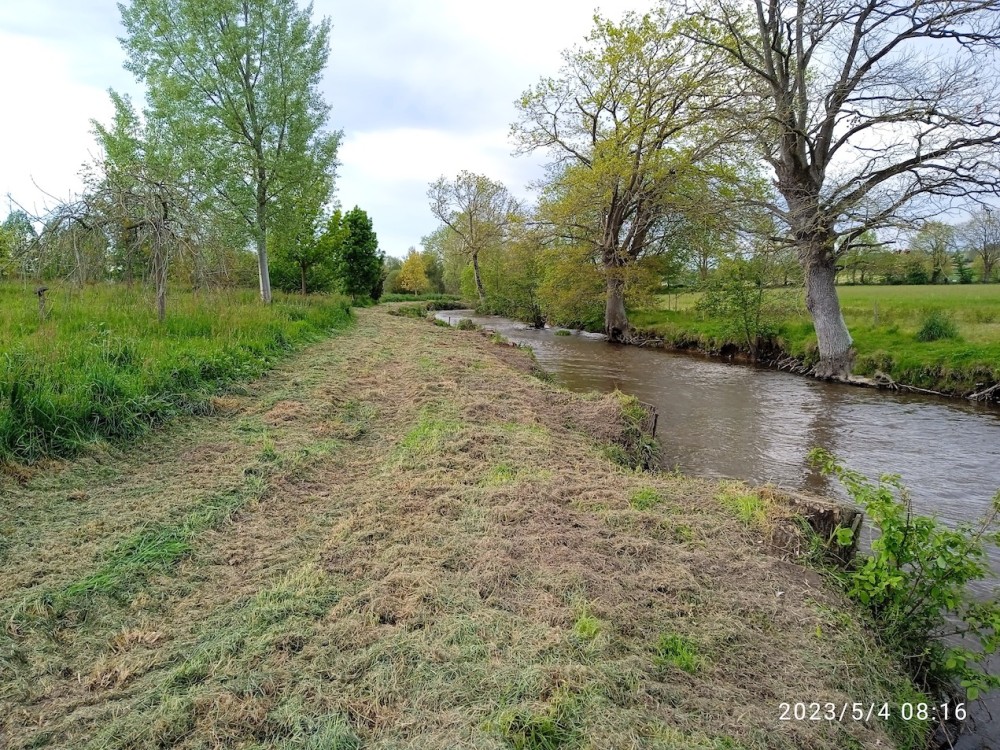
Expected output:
{"points": [[421, 88]]}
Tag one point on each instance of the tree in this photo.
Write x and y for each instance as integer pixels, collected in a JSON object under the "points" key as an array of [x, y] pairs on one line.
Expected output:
{"points": [[445, 244], [962, 269], [234, 85], [357, 260], [628, 119], [136, 197], [478, 210], [981, 238], [936, 242], [874, 112], [16, 236], [412, 275]]}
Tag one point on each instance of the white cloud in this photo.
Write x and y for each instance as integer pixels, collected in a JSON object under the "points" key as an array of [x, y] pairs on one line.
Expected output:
{"points": [[421, 89], [387, 172], [45, 131]]}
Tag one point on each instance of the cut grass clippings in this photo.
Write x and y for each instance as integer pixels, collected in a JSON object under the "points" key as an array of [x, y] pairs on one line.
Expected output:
{"points": [[445, 557]]}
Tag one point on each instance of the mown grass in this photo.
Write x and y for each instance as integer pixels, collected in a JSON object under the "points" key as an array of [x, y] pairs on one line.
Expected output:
{"points": [[885, 322], [100, 366], [466, 569]]}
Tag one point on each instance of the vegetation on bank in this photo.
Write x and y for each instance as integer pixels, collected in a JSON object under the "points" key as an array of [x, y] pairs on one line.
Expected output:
{"points": [[100, 365], [886, 322], [405, 513]]}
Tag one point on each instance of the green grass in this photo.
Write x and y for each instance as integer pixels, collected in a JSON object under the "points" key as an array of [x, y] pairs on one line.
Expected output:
{"points": [[748, 506], [102, 367], [677, 651], [885, 322]]}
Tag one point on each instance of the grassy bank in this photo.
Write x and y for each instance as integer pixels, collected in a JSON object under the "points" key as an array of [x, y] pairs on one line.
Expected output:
{"points": [[100, 366], [400, 538], [884, 321]]}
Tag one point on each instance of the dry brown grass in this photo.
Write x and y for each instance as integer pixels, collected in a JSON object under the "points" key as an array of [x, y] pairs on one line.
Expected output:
{"points": [[436, 524]]}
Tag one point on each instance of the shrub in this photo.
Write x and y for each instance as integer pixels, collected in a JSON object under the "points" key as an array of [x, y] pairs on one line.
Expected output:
{"points": [[937, 325], [915, 583]]}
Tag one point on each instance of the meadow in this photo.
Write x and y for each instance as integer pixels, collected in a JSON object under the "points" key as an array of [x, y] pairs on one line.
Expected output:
{"points": [[884, 321], [100, 365]]}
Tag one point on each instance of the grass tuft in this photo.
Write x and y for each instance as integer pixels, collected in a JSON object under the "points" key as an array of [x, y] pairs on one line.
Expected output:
{"points": [[677, 651], [644, 498]]}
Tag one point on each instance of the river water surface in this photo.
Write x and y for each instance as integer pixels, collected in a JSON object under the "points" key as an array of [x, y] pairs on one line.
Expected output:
{"points": [[726, 420]]}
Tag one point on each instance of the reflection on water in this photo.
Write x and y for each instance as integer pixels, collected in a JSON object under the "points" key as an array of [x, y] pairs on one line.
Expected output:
{"points": [[757, 424]]}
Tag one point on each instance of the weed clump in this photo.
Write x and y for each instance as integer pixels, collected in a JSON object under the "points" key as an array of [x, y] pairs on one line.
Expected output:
{"points": [[555, 727], [937, 325], [644, 498], [748, 506], [673, 650]]}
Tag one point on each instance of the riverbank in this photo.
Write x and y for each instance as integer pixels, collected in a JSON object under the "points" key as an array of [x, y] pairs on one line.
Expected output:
{"points": [[402, 537], [884, 321]]}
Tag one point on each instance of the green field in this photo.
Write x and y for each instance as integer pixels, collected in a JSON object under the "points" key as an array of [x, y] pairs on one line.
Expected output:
{"points": [[883, 320], [100, 366]]}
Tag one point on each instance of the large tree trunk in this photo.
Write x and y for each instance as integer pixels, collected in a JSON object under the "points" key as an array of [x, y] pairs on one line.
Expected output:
{"points": [[479, 278], [836, 353], [302, 269], [616, 325]]}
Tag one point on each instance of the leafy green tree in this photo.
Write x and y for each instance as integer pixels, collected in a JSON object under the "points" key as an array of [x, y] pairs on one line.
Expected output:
{"points": [[627, 120], [357, 260], [962, 268], [16, 236], [234, 85], [447, 245], [739, 294], [935, 241]]}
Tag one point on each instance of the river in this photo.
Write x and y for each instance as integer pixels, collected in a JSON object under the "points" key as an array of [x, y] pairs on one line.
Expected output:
{"points": [[727, 420]]}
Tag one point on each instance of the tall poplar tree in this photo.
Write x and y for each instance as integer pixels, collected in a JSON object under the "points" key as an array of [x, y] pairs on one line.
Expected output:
{"points": [[234, 83]]}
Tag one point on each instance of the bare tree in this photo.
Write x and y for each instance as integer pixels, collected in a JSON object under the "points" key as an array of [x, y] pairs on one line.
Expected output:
{"points": [[479, 210], [980, 238], [877, 112]]}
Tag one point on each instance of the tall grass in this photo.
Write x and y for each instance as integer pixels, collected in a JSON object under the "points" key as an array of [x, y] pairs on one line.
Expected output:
{"points": [[100, 366]]}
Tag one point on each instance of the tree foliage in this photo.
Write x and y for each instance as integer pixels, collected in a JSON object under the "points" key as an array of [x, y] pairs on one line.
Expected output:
{"points": [[413, 274], [628, 120], [233, 84], [478, 210], [357, 260]]}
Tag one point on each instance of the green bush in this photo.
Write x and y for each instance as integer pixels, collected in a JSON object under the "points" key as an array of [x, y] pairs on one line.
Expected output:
{"points": [[937, 325], [915, 583]]}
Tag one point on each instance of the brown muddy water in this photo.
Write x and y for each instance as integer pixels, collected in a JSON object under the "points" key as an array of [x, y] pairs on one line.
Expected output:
{"points": [[719, 419]]}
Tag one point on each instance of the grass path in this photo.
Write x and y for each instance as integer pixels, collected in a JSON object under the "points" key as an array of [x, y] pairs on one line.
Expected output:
{"points": [[400, 539]]}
